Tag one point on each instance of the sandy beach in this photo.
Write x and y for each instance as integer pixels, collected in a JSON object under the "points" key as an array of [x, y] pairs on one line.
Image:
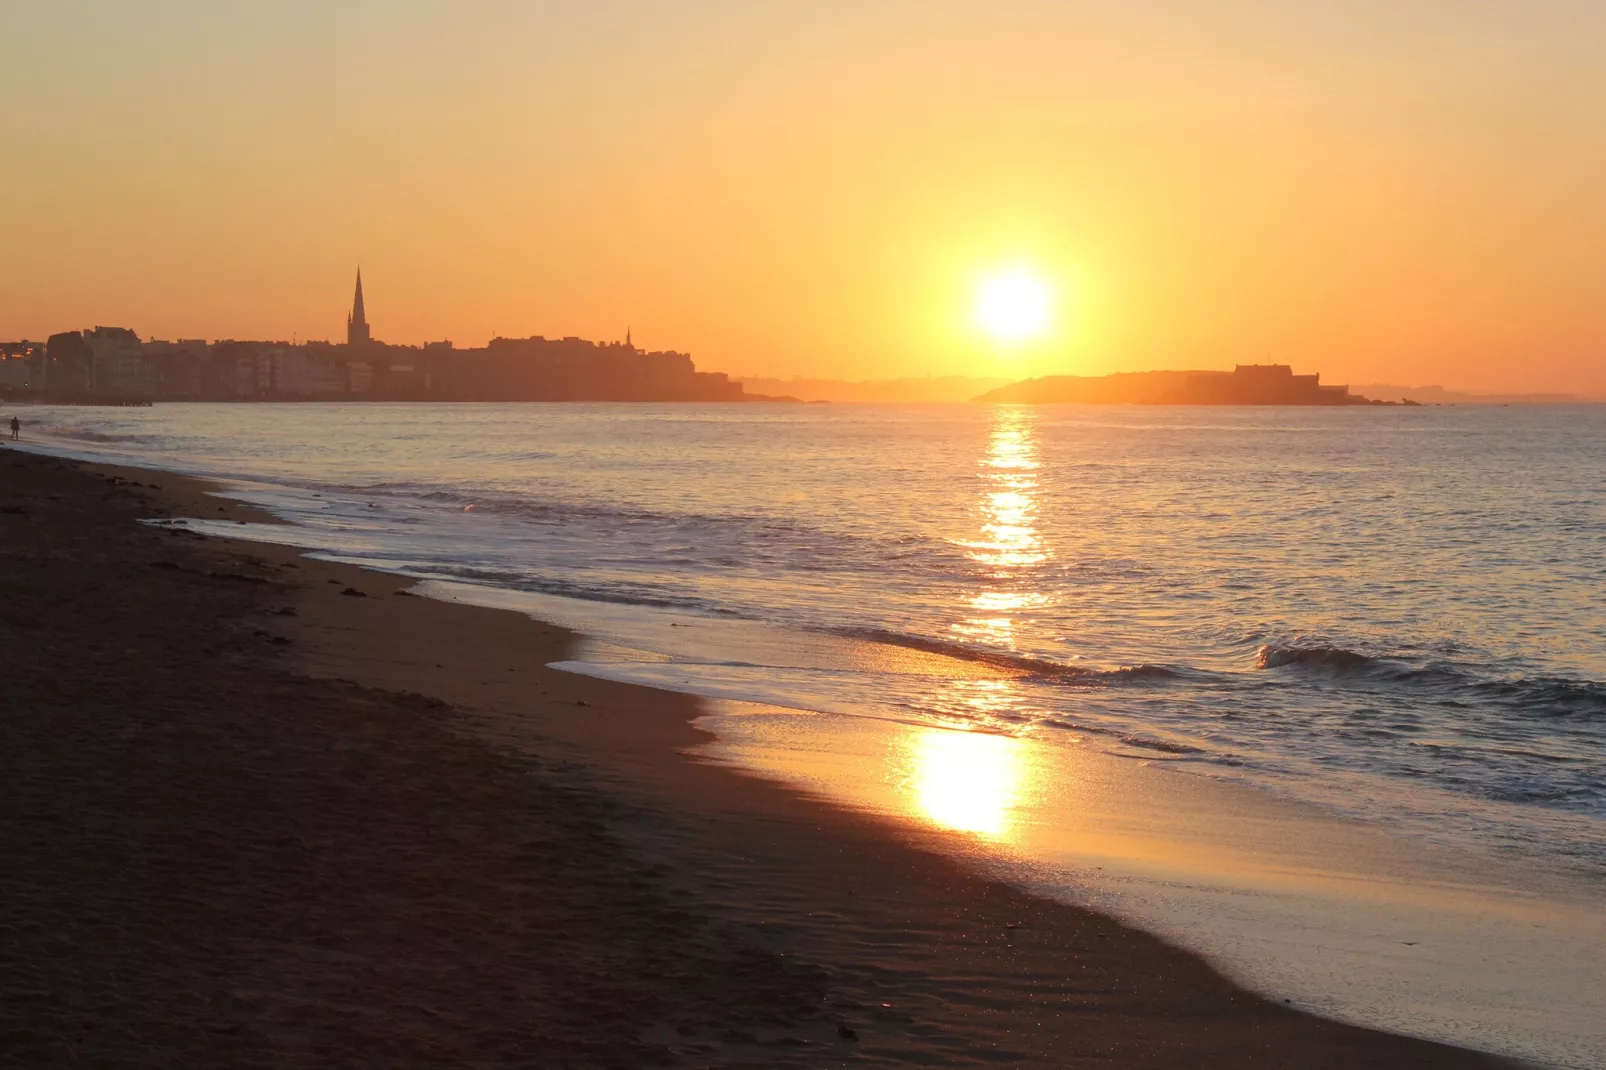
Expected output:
{"points": [[263, 811]]}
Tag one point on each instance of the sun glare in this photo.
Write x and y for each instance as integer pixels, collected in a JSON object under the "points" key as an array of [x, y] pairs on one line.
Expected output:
{"points": [[1013, 307], [967, 781]]}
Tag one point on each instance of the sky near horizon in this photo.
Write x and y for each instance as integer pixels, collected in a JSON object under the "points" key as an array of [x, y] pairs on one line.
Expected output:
{"points": [[1405, 191]]}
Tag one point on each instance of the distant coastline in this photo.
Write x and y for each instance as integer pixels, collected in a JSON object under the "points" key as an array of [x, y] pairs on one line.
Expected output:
{"points": [[1438, 395], [1247, 384]]}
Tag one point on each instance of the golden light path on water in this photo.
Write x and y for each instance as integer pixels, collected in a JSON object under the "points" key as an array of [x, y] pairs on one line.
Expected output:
{"points": [[1009, 548], [973, 780]]}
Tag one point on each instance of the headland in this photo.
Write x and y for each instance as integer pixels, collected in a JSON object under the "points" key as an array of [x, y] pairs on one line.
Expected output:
{"points": [[1247, 384]]}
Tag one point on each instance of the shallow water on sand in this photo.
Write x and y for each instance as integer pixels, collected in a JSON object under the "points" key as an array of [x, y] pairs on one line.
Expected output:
{"points": [[1389, 615]]}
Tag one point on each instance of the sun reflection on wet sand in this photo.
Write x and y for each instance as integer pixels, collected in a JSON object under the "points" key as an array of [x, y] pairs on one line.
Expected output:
{"points": [[965, 781]]}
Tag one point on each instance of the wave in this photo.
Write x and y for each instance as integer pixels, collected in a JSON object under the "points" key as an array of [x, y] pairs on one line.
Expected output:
{"points": [[628, 595], [84, 434], [523, 506], [1312, 657], [1025, 666], [1549, 694], [1448, 684], [1337, 661], [1148, 673], [1164, 746]]}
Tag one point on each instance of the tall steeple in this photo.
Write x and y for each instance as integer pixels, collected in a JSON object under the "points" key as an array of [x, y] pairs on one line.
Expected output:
{"points": [[357, 332]]}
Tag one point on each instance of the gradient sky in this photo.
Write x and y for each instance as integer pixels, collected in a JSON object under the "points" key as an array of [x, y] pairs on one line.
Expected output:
{"points": [[1403, 191]]}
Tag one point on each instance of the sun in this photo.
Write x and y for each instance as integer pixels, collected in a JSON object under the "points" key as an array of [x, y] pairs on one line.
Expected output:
{"points": [[1014, 306]]}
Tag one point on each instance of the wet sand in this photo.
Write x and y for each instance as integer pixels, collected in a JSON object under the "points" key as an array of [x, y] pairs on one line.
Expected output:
{"points": [[1345, 918], [253, 819]]}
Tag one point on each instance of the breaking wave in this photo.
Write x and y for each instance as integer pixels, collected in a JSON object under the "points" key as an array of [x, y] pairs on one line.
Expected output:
{"points": [[1532, 696], [85, 434], [1312, 657]]}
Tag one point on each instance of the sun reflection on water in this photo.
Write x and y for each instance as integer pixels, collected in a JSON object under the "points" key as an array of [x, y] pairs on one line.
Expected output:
{"points": [[1009, 546]]}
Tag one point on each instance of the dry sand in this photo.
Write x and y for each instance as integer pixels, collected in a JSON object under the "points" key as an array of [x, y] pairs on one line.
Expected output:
{"points": [[250, 819]]}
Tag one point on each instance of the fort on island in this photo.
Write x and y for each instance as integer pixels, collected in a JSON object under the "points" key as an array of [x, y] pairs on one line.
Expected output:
{"points": [[1247, 384], [114, 364]]}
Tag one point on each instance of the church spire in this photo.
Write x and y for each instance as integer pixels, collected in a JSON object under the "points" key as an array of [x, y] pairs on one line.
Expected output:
{"points": [[357, 332]]}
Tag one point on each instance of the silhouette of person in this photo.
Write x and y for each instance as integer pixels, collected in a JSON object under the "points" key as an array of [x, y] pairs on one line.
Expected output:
{"points": [[16, 428]]}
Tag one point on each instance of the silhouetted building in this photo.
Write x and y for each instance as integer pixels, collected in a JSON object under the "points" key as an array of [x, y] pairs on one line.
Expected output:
{"points": [[176, 369], [117, 362], [357, 330], [568, 369], [22, 366], [68, 362], [308, 372]]}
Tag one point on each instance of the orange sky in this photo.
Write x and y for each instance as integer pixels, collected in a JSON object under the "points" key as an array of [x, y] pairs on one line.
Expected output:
{"points": [[1405, 192]]}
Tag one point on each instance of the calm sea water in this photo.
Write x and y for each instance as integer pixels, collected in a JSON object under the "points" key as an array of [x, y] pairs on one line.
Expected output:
{"points": [[1396, 614]]}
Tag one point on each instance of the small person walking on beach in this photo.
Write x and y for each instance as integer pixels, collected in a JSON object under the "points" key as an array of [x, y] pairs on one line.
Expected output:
{"points": [[16, 429]]}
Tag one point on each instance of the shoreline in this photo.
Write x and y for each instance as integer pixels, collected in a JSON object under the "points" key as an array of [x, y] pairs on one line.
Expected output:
{"points": [[918, 957]]}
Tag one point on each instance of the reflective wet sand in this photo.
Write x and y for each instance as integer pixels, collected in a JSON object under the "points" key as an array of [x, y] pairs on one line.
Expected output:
{"points": [[1332, 914]]}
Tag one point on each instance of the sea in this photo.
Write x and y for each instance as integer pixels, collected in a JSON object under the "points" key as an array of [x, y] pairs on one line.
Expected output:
{"points": [[1392, 616]]}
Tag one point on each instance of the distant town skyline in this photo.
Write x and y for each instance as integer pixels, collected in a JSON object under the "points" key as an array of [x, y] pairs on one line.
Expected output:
{"points": [[326, 373], [116, 365], [1392, 192]]}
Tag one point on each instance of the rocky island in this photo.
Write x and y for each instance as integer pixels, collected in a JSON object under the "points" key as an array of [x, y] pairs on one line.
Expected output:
{"points": [[1246, 384]]}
